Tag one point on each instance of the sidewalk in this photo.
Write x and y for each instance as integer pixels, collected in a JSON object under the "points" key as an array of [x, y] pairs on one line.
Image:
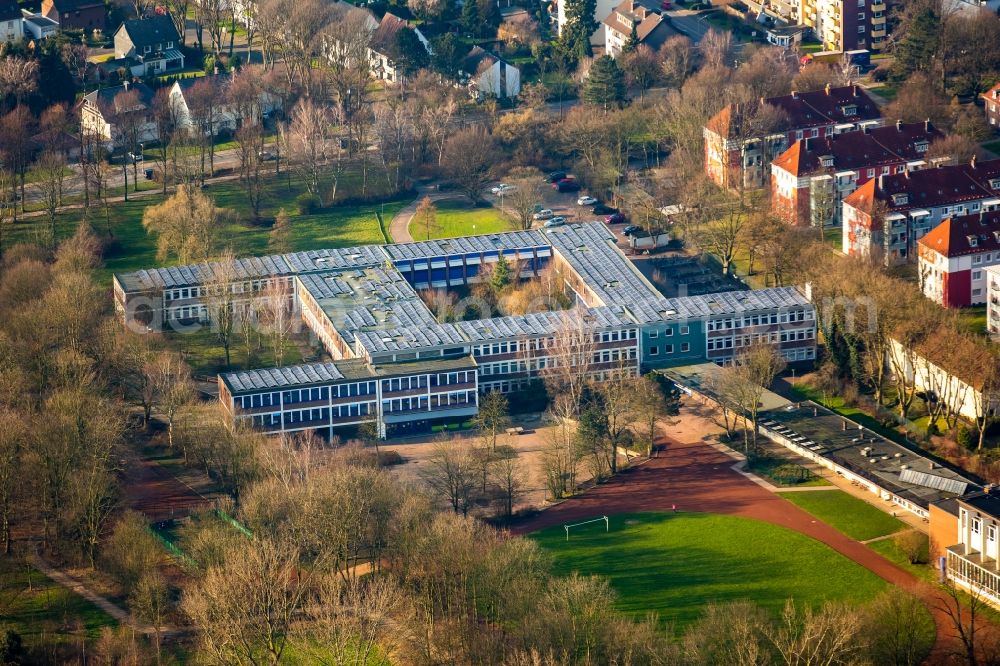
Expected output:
{"points": [[399, 228]]}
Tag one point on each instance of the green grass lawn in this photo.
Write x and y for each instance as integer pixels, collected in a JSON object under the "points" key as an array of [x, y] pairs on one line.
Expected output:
{"points": [[888, 549], [674, 564], [131, 248], [783, 472], [855, 518], [47, 609], [456, 217], [204, 353]]}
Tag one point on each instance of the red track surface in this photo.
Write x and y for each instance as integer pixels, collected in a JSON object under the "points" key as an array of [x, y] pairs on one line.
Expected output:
{"points": [[696, 477]]}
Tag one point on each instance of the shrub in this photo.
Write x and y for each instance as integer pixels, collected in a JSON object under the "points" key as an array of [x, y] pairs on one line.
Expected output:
{"points": [[913, 544], [307, 203], [880, 74], [965, 438]]}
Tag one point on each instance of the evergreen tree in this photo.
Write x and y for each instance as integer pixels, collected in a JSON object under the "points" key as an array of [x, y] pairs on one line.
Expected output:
{"points": [[633, 41], [489, 13], [408, 52], [580, 25], [605, 84], [470, 20], [916, 50], [448, 54], [501, 276]]}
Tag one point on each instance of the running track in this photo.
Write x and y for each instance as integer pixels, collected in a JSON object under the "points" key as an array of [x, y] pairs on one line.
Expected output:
{"points": [[696, 477]]}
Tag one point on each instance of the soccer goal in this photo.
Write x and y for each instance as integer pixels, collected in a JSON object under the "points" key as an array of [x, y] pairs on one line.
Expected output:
{"points": [[607, 527]]}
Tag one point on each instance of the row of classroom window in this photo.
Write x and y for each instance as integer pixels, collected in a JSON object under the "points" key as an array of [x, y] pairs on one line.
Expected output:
{"points": [[358, 410], [775, 337], [533, 364], [251, 286], [533, 344], [759, 320], [355, 389], [790, 355]]}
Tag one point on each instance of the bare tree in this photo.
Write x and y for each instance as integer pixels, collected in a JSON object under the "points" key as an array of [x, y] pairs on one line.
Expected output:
{"points": [[508, 474], [493, 418], [525, 197], [754, 370], [13, 436], [185, 225], [828, 636], [425, 218], [308, 133], [450, 472], [18, 77], [48, 175], [468, 160], [278, 317], [220, 300], [170, 378]]}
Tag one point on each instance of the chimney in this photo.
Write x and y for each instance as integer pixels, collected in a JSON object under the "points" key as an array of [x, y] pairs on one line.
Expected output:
{"points": [[927, 125], [899, 125], [125, 85], [828, 89], [881, 180], [854, 89], [972, 162], [795, 94], [805, 143]]}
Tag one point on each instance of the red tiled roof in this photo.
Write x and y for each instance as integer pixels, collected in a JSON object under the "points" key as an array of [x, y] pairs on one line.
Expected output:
{"points": [[953, 237], [993, 94], [817, 108], [850, 151], [938, 186]]}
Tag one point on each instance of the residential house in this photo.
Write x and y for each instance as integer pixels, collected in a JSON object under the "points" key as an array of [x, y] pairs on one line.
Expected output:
{"points": [[487, 74], [886, 216], [227, 117], [86, 15], [993, 301], [964, 534], [602, 9], [810, 180], [149, 46], [38, 26], [953, 256], [738, 143], [641, 18], [991, 106], [846, 25], [383, 42], [972, 7], [99, 109], [11, 23], [785, 36]]}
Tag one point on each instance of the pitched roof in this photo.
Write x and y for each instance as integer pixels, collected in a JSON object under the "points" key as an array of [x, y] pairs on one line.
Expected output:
{"points": [[385, 34], [651, 29], [955, 236], [76, 5], [993, 94], [105, 97], [151, 31], [803, 110], [939, 186], [9, 10], [870, 147]]}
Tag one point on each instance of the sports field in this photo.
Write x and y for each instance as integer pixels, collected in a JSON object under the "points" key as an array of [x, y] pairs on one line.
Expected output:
{"points": [[673, 564], [854, 517]]}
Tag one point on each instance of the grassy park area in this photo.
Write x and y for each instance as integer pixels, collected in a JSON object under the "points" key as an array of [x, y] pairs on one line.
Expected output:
{"points": [[854, 517], [673, 564], [457, 217], [35, 607]]}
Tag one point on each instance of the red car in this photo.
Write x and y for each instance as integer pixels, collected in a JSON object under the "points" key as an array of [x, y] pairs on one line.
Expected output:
{"points": [[666, 4], [567, 185], [615, 218]]}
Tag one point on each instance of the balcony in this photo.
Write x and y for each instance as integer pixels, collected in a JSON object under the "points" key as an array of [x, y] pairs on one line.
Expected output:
{"points": [[878, 7]]}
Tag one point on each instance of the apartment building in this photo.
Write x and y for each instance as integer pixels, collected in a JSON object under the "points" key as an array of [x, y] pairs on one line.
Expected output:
{"points": [[886, 216], [993, 301], [641, 18], [953, 258], [846, 25], [991, 106], [738, 145], [394, 362], [810, 180]]}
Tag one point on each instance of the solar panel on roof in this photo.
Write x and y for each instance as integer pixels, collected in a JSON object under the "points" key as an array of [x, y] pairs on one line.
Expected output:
{"points": [[933, 481]]}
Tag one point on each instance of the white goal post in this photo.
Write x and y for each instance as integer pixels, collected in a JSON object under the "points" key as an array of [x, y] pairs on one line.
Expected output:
{"points": [[607, 526]]}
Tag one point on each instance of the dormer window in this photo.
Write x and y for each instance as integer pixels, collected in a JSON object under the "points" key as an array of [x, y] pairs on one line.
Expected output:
{"points": [[996, 235], [995, 183], [900, 199], [170, 45], [826, 160], [922, 146], [973, 240], [145, 49], [850, 109]]}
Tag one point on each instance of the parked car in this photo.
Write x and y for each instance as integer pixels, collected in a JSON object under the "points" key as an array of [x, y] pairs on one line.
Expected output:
{"points": [[555, 176], [603, 209], [586, 201], [666, 5], [567, 185], [502, 188], [557, 221], [631, 229], [615, 218], [135, 157], [265, 156], [543, 214]]}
